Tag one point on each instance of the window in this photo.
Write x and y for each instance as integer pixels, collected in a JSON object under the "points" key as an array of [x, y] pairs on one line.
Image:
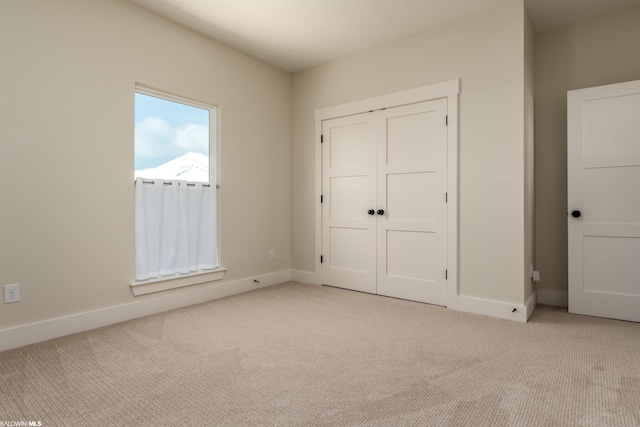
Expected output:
{"points": [[173, 138], [176, 230]]}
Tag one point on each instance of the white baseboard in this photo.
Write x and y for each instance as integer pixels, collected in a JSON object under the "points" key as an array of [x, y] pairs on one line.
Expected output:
{"points": [[553, 297], [267, 279], [461, 303], [501, 310], [305, 277], [53, 328], [531, 304]]}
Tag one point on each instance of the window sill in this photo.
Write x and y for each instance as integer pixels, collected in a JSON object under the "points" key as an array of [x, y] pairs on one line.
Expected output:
{"points": [[177, 281]]}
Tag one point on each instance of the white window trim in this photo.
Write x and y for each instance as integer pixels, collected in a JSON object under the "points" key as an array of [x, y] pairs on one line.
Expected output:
{"points": [[158, 284], [176, 281]]}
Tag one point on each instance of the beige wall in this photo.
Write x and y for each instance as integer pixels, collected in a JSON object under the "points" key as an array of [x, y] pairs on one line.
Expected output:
{"points": [[68, 70], [487, 53], [529, 183], [591, 53]]}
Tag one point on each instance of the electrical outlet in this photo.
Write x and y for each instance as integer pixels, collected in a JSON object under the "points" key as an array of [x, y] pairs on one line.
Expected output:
{"points": [[272, 254], [11, 293]]}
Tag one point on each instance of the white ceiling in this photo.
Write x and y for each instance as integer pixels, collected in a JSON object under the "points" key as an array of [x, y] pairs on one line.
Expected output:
{"points": [[297, 34]]}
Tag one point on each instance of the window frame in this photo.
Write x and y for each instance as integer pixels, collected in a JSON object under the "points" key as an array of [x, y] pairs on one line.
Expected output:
{"points": [[213, 123], [181, 280]]}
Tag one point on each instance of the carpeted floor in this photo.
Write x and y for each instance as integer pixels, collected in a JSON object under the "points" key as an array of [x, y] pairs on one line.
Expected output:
{"points": [[295, 354]]}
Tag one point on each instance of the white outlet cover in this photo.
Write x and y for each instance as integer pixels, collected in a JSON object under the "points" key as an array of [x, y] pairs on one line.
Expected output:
{"points": [[11, 293]]}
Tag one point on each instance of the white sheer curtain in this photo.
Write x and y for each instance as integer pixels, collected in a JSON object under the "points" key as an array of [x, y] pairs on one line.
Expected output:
{"points": [[176, 228]]}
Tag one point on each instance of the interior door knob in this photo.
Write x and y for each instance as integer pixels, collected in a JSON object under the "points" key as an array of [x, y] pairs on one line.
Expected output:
{"points": [[576, 214], [380, 211], [371, 211]]}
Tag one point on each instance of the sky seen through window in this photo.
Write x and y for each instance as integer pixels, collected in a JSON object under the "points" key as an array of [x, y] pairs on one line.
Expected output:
{"points": [[166, 130]]}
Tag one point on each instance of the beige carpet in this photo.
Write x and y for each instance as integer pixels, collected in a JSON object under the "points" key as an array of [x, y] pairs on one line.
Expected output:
{"points": [[296, 354]]}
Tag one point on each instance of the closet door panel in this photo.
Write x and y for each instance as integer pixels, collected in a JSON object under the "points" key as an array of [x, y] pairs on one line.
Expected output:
{"points": [[349, 192], [411, 238]]}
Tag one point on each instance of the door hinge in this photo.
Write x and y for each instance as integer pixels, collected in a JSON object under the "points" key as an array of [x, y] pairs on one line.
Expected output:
{"points": [[321, 259], [446, 274], [321, 198], [446, 197], [446, 120], [321, 139]]}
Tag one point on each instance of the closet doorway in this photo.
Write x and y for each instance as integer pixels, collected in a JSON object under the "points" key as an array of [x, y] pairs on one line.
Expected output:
{"points": [[387, 206]]}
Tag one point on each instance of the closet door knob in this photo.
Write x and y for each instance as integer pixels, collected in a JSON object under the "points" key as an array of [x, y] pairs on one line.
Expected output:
{"points": [[576, 214], [371, 211], [380, 211]]}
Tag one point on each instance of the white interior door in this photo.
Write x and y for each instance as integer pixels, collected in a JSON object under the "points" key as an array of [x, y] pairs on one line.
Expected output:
{"points": [[349, 193], [412, 161], [603, 173], [384, 210]]}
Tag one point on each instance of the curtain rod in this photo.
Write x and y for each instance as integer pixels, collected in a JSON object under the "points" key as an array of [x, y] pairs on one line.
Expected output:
{"points": [[189, 184]]}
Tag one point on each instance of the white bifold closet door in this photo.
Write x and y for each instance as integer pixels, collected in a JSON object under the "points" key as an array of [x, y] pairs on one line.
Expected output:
{"points": [[384, 208]]}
